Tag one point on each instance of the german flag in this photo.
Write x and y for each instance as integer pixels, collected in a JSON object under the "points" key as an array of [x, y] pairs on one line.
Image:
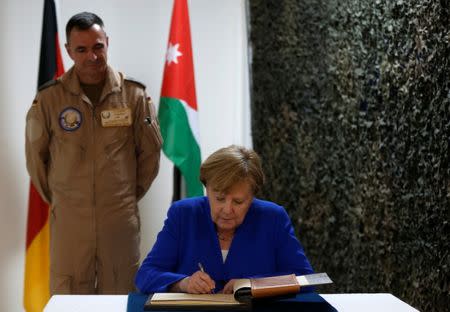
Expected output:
{"points": [[37, 263]]}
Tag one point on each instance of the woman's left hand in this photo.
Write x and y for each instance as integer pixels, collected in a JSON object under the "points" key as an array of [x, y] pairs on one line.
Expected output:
{"points": [[228, 289]]}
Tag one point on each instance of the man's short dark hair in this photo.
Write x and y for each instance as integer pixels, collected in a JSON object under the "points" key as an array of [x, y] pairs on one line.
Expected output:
{"points": [[82, 21]]}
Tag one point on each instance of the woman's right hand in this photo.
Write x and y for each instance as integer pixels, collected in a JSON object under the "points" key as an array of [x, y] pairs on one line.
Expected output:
{"points": [[198, 283]]}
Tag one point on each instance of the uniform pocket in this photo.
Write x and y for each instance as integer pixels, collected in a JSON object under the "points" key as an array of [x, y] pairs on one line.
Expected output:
{"points": [[116, 146], [120, 161], [67, 158], [154, 133], [60, 284]]}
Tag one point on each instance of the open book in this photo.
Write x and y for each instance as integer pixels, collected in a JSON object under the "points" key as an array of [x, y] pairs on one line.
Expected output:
{"points": [[183, 301], [244, 291]]}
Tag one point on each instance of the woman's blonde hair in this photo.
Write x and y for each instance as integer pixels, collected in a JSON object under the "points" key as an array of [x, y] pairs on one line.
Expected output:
{"points": [[230, 165]]}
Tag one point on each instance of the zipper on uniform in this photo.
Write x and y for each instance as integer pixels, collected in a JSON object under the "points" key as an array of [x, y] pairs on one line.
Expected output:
{"points": [[93, 157]]}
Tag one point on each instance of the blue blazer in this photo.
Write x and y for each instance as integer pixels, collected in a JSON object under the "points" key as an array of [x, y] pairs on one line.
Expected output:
{"points": [[263, 245]]}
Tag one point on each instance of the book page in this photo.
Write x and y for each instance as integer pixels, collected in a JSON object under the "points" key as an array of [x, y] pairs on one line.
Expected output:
{"points": [[314, 279], [183, 298]]}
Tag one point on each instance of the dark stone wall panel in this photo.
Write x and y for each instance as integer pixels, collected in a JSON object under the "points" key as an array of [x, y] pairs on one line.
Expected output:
{"points": [[351, 115]]}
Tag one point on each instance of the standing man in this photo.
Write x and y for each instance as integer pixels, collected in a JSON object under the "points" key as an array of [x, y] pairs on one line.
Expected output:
{"points": [[92, 146]]}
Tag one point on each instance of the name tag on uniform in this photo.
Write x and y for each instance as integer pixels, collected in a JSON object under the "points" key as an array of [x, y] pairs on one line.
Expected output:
{"points": [[117, 117]]}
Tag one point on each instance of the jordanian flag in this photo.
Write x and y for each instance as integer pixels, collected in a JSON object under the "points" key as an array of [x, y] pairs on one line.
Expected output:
{"points": [[37, 264], [178, 104]]}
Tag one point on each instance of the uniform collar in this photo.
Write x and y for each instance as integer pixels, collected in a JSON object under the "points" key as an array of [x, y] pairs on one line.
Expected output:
{"points": [[113, 82]]}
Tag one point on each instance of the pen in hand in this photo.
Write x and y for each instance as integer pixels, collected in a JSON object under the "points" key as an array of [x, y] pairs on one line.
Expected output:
{"points": [[200, 266]]}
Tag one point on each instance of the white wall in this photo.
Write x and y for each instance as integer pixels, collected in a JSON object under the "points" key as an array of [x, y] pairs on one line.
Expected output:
{"points": [[138, 31]]}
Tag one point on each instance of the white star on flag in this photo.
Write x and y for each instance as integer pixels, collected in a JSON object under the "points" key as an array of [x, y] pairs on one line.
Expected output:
{"points": [[173, 53]]}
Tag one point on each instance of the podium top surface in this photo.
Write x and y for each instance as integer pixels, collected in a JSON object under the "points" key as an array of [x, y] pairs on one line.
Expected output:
{"points": [[375, 302]]}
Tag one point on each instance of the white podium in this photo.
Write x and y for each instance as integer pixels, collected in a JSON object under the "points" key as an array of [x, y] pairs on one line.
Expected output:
{"points": [[379, 302]]}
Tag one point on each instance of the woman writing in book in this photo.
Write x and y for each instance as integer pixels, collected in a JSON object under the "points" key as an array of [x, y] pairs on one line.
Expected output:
{"points": [[208, 242]]}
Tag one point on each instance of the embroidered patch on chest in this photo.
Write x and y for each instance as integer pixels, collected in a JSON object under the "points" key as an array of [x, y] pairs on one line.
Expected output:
{"points": [[70, 119]]}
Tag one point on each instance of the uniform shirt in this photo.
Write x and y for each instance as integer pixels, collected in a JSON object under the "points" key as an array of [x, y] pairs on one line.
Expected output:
{"points": [[72, 154], [263, 245]]}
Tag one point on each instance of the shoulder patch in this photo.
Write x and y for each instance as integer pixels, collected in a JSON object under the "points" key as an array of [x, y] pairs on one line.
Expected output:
{"points": [[47, 84], [135, 81]]}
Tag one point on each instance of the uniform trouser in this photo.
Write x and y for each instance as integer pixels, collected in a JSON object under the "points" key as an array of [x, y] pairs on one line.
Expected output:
{"points": [[93, 250]]}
